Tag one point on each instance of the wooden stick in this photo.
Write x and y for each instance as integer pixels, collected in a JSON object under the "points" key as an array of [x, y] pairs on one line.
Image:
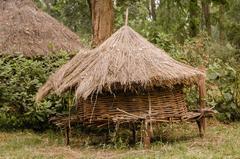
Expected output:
{"points": [[202, 103], [131, 115], [147, 138], [94, 105], [150, 113], [134, 137], [126, 17], [67, 141]]}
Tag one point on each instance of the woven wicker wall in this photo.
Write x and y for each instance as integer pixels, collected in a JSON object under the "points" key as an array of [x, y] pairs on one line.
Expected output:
{"points": [[165, 103]]}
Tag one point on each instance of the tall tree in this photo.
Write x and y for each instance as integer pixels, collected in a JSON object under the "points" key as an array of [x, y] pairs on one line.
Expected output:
{"points": [[193, 12], [48, 3], [206, 16], [221, 19], [152, 9], [102, 20]]}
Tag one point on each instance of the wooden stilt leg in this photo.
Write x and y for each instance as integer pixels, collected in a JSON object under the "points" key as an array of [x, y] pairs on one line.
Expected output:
{"points": [[114, 138], [147, 134], [202, 103], [106, 137], [200, 128], [67, 141], [204, 124], [134, 137]]}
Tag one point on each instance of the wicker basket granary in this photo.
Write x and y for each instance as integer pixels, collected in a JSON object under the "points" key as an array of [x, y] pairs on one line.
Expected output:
{"points": [[165, 104]]}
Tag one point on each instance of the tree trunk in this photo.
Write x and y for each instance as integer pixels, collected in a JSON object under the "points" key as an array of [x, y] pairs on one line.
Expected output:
{"points": [[206, 15], [153, 10], [221, 27], [102, 20], [193, 11], [168, 21], [47, 2]]}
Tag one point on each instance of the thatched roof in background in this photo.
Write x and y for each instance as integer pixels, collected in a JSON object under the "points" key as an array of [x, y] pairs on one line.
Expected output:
{"points": [[24, 29], [125, 60]]}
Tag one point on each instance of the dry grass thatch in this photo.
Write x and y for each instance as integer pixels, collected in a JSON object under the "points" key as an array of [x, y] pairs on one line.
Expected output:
{"points": [[24, 29], [124, 61]]}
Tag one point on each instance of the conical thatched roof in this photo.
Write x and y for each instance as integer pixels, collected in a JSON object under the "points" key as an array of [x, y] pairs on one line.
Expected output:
{"points": [[24, 29], [124, 61]]}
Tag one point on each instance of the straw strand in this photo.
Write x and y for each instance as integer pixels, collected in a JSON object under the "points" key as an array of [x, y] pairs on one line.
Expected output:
{"points": [[126, 17]]}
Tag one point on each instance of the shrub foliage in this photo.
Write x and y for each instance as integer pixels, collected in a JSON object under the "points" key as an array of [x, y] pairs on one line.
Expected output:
{"points": [[20, 79]]}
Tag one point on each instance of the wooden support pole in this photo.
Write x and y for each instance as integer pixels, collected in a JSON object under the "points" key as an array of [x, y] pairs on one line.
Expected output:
{"points": [[150, 114], [147, 135], [114, 138], [202, 103], [134, 136], [200, 128], [67, 141]]}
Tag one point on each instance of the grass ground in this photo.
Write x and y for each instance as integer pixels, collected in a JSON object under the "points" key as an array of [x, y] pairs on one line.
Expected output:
{"points": [[221, 141]]}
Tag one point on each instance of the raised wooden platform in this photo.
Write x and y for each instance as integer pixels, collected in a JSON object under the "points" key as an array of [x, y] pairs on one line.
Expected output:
{"points": [[65, 121]]}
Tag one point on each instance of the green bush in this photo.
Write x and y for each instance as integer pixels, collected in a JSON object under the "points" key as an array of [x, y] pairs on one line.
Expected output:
{"points": [[223, 89], [222, 67], [20, 78], [223, 79]]}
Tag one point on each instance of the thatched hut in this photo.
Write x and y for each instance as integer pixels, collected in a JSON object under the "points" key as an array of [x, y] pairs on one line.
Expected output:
{"points": [[25, 29], [128, 79]]}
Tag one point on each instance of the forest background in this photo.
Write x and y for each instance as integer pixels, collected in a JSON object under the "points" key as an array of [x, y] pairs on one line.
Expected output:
{"points": [[197, 32]]}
